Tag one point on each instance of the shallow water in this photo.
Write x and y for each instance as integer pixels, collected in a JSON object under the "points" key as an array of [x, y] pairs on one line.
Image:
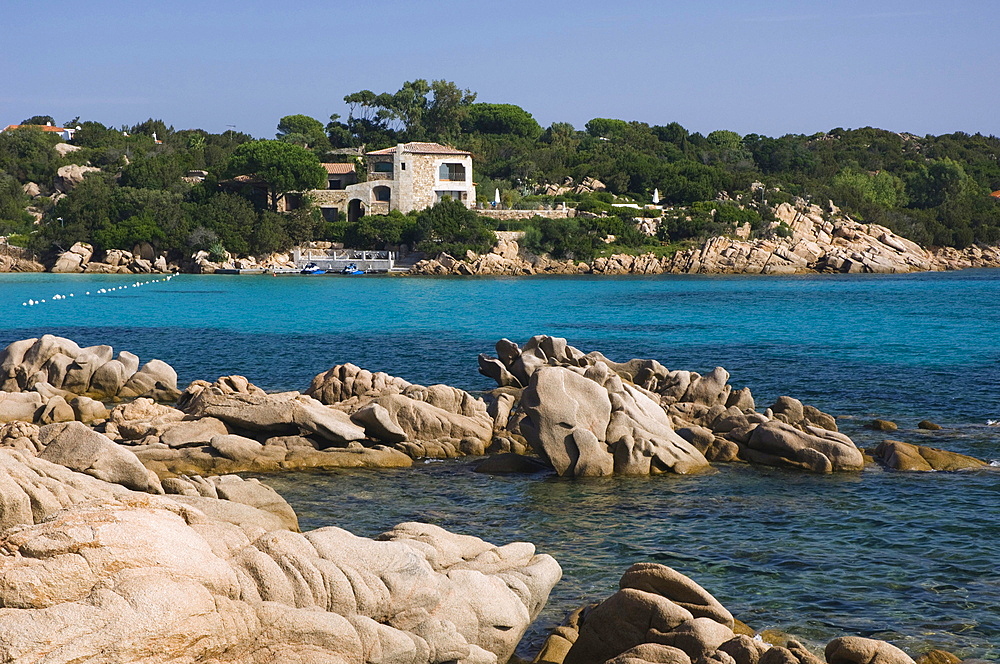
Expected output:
{"points": [[909, 558]]}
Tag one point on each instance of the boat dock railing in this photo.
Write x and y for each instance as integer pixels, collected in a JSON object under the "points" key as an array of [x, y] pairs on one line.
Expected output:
{"points": [[338, 259]]}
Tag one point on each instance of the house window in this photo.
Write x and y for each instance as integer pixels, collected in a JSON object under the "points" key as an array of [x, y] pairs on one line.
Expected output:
{"points": [[383, 194], [453, 172], [454, 195], [336, 183], [402, 166], [330, 213], [383, 167]]}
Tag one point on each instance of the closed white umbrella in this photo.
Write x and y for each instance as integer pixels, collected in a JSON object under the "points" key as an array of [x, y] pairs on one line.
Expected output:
{"points": [[656, 197], [496, 197]]}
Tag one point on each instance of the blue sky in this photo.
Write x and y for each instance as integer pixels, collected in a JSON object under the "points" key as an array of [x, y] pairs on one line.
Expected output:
{"points": [[765, 67]]}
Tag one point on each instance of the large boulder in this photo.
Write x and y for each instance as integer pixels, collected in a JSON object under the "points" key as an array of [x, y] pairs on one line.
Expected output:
{"points": [[78, 447], [155, 379], [668, 582], [567, 418], [284, 413], [19, 406], [589, 422], [858, 650], [897, 455], [422, 420], [70, 175], [818, 450]]}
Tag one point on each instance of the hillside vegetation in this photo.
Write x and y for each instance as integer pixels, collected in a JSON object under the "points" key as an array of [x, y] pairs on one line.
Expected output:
{"points": [[935, 190]]}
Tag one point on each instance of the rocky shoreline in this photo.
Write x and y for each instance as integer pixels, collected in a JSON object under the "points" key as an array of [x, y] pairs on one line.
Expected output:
{"points": [[120, 513], [819, 241]]}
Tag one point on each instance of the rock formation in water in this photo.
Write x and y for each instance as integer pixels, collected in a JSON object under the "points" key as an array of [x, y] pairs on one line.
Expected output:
{"points": [[897, 455], [583, 414], [437, 420], [660, 616], [588, 415], [92, 571], [60, 372]]}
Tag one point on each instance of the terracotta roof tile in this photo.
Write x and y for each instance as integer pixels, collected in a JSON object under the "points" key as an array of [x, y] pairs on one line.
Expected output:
{"points": [[42, 127], [421, 148], [338, 169]]}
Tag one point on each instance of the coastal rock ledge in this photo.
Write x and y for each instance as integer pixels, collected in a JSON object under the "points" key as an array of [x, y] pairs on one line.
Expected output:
{"points": [[93, 572], [660, 616]]}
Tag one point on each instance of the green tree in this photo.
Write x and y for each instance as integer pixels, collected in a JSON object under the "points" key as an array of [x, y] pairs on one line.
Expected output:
{"points": [[938, 182], [157, 171], [376, 231], [883, 188], [152, 127], [446, 110], [451, 227], [40, 120], [419, 110], [129, 232], [13, 218], [230, 218], [268, 234], [606, 128], [283, 167], [303, 130], [501, 119], [28, 155]]}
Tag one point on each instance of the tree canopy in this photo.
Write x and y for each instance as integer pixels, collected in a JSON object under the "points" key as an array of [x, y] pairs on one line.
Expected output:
{"points": [[283, 167]]}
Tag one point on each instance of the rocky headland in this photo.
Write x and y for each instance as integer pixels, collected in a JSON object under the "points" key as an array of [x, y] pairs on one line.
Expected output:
{"points": [[125, 535], [820, 240]]}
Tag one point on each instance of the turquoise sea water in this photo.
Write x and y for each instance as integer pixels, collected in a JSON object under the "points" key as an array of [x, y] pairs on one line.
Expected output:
{"points": [[909, 558]]}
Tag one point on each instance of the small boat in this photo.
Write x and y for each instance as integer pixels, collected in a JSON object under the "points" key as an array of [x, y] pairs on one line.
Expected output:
{"points": [[352, 269], [312, 268]]}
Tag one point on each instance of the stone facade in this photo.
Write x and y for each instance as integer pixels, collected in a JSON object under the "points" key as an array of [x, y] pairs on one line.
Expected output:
{"points": [[421, 175]]}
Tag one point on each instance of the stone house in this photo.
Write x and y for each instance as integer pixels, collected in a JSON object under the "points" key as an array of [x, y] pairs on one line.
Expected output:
{"points": [[410, 176]]}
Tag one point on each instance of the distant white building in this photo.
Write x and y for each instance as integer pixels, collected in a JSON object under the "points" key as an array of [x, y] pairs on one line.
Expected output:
{"points": [[65, 134]]}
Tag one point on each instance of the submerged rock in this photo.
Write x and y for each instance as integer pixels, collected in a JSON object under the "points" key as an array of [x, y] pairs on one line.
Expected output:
{"points": [[882, 425], [897, 455]]}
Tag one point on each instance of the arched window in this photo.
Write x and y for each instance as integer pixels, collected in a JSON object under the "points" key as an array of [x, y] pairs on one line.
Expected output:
{"points": [[383, 194], [452, 172]]}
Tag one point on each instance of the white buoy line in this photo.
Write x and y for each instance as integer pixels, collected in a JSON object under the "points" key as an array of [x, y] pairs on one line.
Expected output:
{"points": [[100, 291]]}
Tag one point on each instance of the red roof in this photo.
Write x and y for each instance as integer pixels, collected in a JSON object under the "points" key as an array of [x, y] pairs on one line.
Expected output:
{"points": [[338, 169], [42, 127], [996, 194], [421, 148]]}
